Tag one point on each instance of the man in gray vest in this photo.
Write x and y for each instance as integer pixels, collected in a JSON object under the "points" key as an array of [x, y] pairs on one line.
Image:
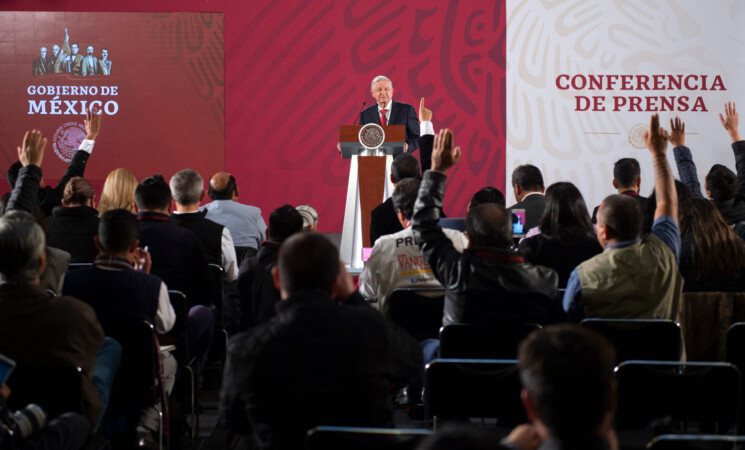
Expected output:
{"points": [[633, 278]]}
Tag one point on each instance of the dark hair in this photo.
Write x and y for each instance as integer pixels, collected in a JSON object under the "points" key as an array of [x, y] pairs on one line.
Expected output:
{"points": [[404, 166], [626, 172], [488, 194], [721, 182], [718, 253], [284, 222], [565, 219], [117, 229], [308, 261], [528, 177], [404, 196], [623, 215], [651, 206], [489, 225], [225, 193], [78, 191], [568, 373], [153, 193]]}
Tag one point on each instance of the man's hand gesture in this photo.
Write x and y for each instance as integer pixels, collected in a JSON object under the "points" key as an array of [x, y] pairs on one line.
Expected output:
{"points": [[93, 123], [730, 121], [444, 153], [656, 138], [32, 151], [425, 115], [677, 132]]}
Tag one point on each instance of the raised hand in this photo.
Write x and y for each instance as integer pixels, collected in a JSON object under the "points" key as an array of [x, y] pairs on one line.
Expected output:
{"points": [[425, 114], [730, 121], [32, 151], [656, 137], [677, 132], [93, 123], [444, 154]]}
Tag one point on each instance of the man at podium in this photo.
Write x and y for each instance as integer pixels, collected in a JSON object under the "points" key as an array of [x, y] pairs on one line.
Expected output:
{"points": [[388, 112]]}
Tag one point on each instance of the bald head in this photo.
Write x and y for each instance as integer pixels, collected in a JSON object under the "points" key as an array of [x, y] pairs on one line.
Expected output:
{"points": [[619, 219], [223, 187], [489, 225]]}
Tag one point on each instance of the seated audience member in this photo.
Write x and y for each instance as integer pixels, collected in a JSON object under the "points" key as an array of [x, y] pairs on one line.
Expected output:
{"points": [[527, 182], [121, 290], [177, 259], [259, 296], [723, 187], [569, 392], [187, 189], [486, 282], [627, 178], [246, 226], [712, 256], [72, 226], [633, 278], [488, 194], [118, 192], [37, 328], [310, 217], [383, 218], [47, 197], [565, 237], [396, 260], [327, 358]]}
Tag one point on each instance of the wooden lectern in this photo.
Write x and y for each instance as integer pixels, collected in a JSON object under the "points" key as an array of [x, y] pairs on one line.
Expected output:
{"points": [[369, 185]]}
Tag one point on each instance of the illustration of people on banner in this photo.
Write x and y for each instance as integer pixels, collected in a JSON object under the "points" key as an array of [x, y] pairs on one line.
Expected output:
{"points": [[67, 59]]}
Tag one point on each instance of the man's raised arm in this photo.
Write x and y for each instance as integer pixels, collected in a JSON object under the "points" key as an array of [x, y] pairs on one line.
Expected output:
{"points": [[667, 197], [76, 168], [731, 122], [30, 154]]}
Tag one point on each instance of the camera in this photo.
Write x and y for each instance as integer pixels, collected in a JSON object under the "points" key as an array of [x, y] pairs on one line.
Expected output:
{"points": [[16, 427]]}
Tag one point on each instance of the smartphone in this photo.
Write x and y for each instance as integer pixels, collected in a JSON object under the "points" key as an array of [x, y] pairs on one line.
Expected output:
{"points": [[518, 223], [6, 368], [366, 252]]}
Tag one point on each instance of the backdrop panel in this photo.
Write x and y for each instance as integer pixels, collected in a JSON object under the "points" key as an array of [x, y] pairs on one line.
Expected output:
{"points": [[584, 77]]}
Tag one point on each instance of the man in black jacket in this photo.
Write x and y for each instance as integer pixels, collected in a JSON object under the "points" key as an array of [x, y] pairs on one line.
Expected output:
{"points": [[327, 358]]}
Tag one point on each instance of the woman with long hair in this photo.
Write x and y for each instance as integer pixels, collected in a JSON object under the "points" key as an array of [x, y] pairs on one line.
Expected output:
{"points": [[566, 236], [118, 191], [712, 256]]}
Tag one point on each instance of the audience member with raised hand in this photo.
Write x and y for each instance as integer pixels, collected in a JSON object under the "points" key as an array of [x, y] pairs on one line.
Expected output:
{"points": [[566, 236], [326, 353], [487, 282], [118, 191], [72, 226], [28, 180], [733, 206], [47, 197], [633, 278]]}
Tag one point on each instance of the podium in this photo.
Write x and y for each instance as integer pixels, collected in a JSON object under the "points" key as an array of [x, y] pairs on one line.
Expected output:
{"points": [[369, 185]]}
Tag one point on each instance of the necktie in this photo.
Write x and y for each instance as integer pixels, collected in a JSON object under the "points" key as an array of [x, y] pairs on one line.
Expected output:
{"points": [[383, 120]]}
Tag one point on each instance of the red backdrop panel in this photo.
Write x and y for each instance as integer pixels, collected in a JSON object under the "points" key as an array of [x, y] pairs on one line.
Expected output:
{"points": [[296, 70]]}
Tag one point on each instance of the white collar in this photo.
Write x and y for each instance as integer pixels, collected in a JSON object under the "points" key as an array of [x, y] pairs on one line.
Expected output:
{"points": [[387, 107]]}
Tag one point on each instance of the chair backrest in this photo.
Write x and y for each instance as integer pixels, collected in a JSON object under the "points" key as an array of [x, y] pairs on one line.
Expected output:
{"points": [[421, 316], [56, 389], [704, 318], [181, 308], [696, 442], [482, 341], [345, 438], [735, 346], [466, 388], [135, 382], [641, 339], [73, 266], [217, 274], [670, 393]]}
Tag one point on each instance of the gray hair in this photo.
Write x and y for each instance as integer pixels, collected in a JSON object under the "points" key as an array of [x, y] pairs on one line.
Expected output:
{"points": [[22, 243], [380, 78], [187, 187]]}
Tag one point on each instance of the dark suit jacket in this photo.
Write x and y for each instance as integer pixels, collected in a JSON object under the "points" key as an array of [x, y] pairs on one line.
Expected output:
{"points": [[401, 114], [533, 206], [384, 221]]}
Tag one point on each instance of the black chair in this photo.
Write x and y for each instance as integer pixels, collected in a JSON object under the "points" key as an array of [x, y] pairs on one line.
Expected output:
{"points": [[735, 354], [497, 341], [345, 438], [56, 389], [421, 316], [459, 389], [220, 342], [641, 339], [667, 396], [73, 266], [696, 442], [137, 385], [183, 356]]}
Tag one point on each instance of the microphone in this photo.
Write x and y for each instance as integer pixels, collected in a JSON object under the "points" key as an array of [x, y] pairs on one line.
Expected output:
{"points": [[357, 118]]}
